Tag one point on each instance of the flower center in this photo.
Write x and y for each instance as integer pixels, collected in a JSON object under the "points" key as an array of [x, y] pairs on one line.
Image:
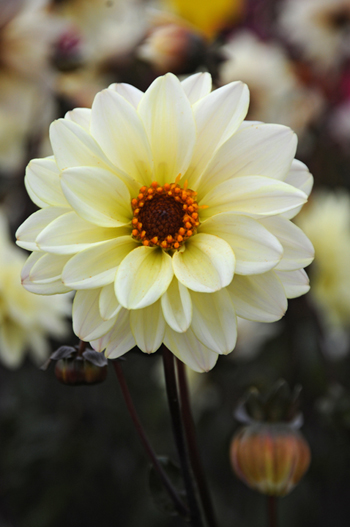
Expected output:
{"points": [[166, 216]]}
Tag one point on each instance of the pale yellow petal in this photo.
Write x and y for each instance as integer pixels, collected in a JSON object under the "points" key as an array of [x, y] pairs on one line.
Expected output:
{"points": [[205, 265], [177, 306], [108, 303], [148, 327], [87, 322], [187, 348], [143, 277]]}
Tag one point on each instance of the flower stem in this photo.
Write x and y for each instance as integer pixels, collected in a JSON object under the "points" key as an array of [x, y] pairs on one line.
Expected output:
{"points": [[178, 431], [81, 348], [193, 447], [272, 511], [178, 503]]}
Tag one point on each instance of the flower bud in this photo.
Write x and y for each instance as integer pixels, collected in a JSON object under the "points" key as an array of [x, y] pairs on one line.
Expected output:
{"points": [[270, 457], [173, 47], [77, 370]]}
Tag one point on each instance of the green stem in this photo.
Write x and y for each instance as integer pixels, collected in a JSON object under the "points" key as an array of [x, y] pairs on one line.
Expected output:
{"points": [[178, 431], [178, 503]]}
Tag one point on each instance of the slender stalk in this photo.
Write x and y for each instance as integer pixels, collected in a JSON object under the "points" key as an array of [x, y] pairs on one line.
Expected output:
{"points": [[178, 503], [272, 511], [178, 431], [193, 447], [82, 347]]}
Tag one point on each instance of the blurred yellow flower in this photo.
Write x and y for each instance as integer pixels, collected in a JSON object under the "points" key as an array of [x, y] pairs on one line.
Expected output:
{"points": [[207, 15], [326, 220], [26, 320], [168, 215]]}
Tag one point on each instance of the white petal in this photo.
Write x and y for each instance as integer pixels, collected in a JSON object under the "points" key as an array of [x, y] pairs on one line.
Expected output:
{"points": [[218, 115], [142, 277], [258, 297], [81, 116], [48, 268], [148, 327], [69, 234], [30, 229], [128, 92], [299, 177], [187, 348], [255, 248], [264, 150], [197, 86], [97, 266], [108, 303], [206, 265], [252, 195], [298, 251], [117, 341], [87, 322], [34, 197], [73, 146], [295, 283], [98, 196], [42, 288], [214, 320], [42, 177], [167, 116], [118, 129], [177, 306]]}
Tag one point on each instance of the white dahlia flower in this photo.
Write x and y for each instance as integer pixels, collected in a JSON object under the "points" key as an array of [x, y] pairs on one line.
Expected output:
{"points": [[320, 28], [169, 216], [26, 321]]}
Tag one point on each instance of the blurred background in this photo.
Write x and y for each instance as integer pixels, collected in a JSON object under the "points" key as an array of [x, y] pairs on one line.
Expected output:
{"points": [[69, 455]]}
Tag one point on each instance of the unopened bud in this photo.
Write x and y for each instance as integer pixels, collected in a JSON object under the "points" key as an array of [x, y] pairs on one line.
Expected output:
{"points": [[270, 458], [77, 371]]}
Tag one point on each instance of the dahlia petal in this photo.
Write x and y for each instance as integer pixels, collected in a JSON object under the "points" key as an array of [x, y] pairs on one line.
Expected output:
{"points": [[298, 251], [206, 265], [299, 177], [30, 229], [108, 303], [197, 86], [34, 197], [128, 92], [255, 248], [274, 148], [214, 320], [97, 265], [187, 348], [97, 195], [87, 322], [252, 195], [48, 268], [142, 277], [117, 127], [118, 340], [69, 234], [12, 345], [295, 283], [148, 327], [217, 116], [167, 116], [73, 146], [42, 177], [258, 297], [177, 306], [81, 116], [43, 288]]}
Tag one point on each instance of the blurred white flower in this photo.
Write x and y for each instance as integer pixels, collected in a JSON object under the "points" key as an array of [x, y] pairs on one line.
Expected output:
{"points": [[326, 220], [168, 215], [27, 33], [277, 95], [319, 28], [99, 35], [26, 320]]}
